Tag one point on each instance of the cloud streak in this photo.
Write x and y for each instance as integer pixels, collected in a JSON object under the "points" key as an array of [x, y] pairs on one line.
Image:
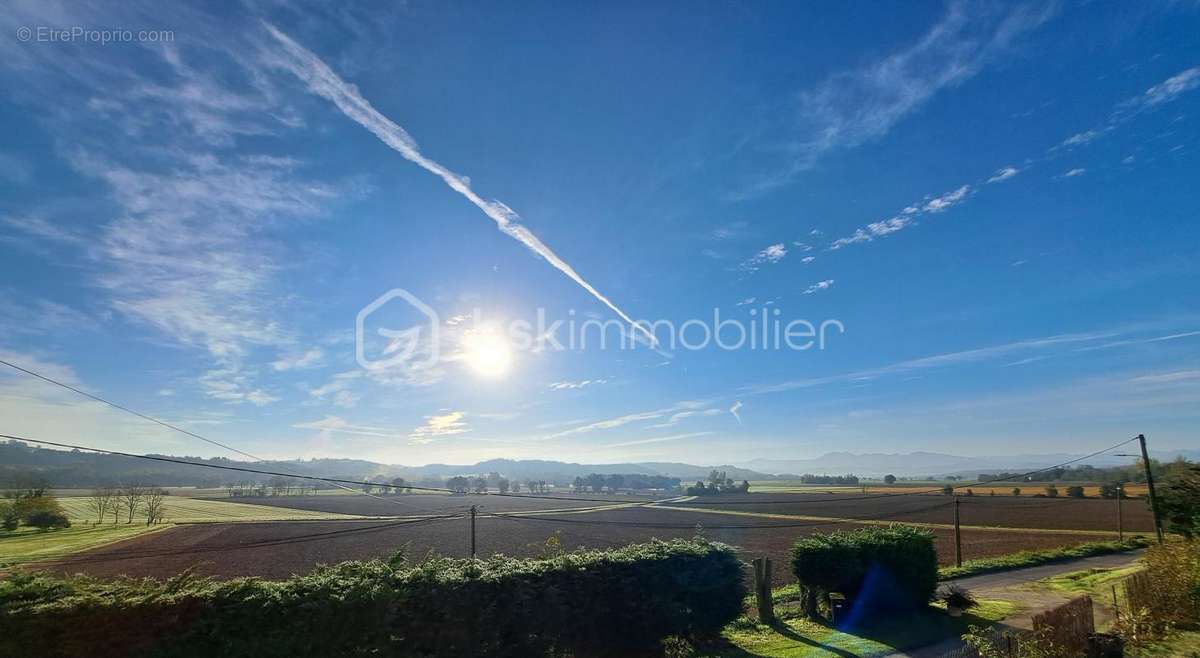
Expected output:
{"points": [[324, 82]]}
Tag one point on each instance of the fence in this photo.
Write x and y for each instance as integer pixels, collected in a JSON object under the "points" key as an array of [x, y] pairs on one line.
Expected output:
{"points": [[1067, 627]]}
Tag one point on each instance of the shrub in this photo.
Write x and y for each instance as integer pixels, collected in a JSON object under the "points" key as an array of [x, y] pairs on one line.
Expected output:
{"points": [[1075, 491], [955, 596], [880, 568], [589, 603], [9, 518], [47, 519]]}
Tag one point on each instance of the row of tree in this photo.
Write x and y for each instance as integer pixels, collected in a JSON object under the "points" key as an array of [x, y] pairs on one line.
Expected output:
{"points": [[598, 483], [481, 485], [126, 503]]}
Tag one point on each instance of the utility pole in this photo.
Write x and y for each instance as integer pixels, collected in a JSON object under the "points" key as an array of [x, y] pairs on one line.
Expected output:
{"points": [[957, 534], [1158, 531], [473, 509], [1120, 528]]}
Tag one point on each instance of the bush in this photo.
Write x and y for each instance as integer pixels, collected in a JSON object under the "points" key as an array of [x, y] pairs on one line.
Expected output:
{"points": [[9, 518], [1075, 491], [47, 520], [879, 568], [590, 603]]}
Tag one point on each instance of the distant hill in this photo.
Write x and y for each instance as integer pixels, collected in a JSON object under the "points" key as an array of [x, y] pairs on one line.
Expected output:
{"points": [[917, 464], [21, 463], [61, 468]]}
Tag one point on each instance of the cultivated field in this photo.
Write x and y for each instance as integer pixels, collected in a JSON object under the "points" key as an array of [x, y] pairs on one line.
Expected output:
{"points": [[280, 549], [876, 487], [1086, 514], [416, 504]]}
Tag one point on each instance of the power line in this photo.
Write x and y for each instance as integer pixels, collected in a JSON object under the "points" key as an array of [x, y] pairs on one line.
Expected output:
{"points": [[176, 428]]}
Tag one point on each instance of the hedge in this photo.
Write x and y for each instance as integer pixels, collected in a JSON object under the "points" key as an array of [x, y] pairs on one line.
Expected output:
{"points": [[893, 567], [589, 603]]}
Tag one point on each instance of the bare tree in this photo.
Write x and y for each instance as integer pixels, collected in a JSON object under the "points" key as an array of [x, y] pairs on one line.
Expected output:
{"points": [[103, 499], [156, 503], [131, 500]]}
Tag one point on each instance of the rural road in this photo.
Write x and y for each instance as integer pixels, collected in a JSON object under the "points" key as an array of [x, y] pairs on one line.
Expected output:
{"points": [[1022, 576], [1012, 586]]}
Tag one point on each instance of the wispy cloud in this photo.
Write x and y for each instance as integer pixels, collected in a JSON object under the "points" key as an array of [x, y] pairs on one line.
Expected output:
{"points": [[1079, 171], [677, 417], [1164, 92], [438, 426], [905, 218], [569, 385], [819, 286], [770, 254], [1003, 174], [737, 406], [322, 81], [860, 105], [657, 439], [338, 425], [299, 360], [947, 200]]}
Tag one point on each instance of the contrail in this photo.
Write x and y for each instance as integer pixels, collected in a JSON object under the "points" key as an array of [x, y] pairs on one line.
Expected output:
{"points": [[323, 81]]}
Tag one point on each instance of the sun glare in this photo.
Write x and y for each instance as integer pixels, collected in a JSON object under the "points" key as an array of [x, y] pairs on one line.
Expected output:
{"points": [[487, 353]]}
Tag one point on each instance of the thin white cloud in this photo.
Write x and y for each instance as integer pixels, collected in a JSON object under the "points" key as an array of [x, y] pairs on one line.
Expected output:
{"points": [[947, 200], [677, 417], [905, 219], [1003, 174], [770, 254], [808, 259], [438, 426], [737, 406], [1171, 88], [338, 425], [299, 360], [658, 439], [819, 286], [860, 105], [1161, 93], [322, 81], [569, 385], [1079, 171]]}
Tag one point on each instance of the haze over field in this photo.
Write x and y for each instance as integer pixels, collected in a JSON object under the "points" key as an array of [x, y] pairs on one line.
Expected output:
{"points": [[965, 230]]}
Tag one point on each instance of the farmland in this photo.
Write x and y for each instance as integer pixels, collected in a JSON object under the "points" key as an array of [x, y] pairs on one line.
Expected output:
{"points": [[276, 550], [1086, 514], [198, 510]]}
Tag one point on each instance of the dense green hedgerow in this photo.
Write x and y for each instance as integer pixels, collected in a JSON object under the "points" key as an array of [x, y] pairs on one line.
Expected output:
{"points": [[590, 603], [881, 568]]}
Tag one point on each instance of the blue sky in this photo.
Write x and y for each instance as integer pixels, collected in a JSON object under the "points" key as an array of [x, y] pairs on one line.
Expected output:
{"points": [[997, 202]]}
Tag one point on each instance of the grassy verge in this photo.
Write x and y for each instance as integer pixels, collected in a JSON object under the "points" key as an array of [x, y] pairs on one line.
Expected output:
{"points": [[795, 637], [199, 510], [28, 544], [1178, 644], [1035, 558]]}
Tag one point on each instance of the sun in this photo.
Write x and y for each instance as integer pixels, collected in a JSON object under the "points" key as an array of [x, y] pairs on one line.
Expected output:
{"points": [[487, 353]]}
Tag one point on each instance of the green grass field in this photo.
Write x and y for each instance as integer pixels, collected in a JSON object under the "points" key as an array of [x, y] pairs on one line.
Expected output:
{"points": [[28, 544], [799, 638], [201, 510]]}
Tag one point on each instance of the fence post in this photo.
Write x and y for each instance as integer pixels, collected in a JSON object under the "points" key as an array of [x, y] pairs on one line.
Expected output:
{"points": [[762, 590], [957, 535]]}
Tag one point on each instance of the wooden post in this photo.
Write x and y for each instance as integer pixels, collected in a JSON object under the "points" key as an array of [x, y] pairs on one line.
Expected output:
{"points": [[957, 535], [473, 508], [1150, 486], [1120, 525], [762, 590]]}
